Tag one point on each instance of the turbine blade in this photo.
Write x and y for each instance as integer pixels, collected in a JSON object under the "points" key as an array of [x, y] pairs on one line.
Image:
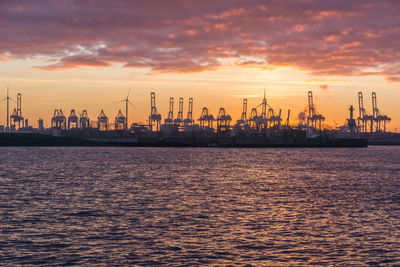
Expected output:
{"points": [[131, 104]]}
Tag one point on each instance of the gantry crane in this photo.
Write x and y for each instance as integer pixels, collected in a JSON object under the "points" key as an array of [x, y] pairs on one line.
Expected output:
{"points": [[73, 121], [154, 117], [179, 118], [17, 121], [254, 119], [314, 120], [120, 121], [223, 120], [365, 120], [58, 120], [102, 122], [170, 118], [379, 118], [206, 119], [189, 117], [288, 118], [84, 120]]}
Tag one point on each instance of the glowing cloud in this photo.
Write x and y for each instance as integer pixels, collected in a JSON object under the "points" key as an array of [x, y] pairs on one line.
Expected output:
{"points": [[323, 37]]}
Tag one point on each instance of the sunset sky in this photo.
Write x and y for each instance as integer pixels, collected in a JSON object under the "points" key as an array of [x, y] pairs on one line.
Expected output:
{"points": [[88, 54]]}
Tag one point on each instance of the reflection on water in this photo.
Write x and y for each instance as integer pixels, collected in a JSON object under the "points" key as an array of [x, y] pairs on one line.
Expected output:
{"points": [[151, 206]]}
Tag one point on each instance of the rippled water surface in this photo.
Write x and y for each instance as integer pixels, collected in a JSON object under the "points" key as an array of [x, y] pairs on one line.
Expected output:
{"points": [[185, 206]]}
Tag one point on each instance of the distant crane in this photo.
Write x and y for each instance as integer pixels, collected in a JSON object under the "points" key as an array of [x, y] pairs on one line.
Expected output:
{"points": [[84, 120], [273, 119], [102, 121], [154, 116], [243, 118], [254, 119], [364, 118], [170, 118], [223, 120], [189, 117], [58, 120], [73, 121], [314, 120], [179, 118], [120, 122], [206, 117], [379, 117], [244, 111], [288, 118], [16, 117]]}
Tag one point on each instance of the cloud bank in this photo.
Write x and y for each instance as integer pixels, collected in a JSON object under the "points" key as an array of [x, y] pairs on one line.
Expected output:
{"points": [[323, 37]]}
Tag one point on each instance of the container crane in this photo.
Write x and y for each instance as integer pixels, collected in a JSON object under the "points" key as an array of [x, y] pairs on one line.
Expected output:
{"points": [[17, 121], [314, 120], [179, 118], [84, 120], [223, 120], [170, 118], [379, 118], [365, 120], [120, 121], [58, 120], [73, 121], [206, 119], [189, 117], [154, 117], [102, 122]]}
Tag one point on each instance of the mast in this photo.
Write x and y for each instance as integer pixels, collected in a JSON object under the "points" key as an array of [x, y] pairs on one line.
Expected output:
{"points": [[126, 115]]}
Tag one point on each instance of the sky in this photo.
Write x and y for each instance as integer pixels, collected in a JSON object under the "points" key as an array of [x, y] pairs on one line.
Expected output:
{"points": [[88, 54]]}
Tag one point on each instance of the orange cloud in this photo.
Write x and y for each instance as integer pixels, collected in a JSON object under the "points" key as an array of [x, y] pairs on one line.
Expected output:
{"points": [[317, 36], [323, 86]]}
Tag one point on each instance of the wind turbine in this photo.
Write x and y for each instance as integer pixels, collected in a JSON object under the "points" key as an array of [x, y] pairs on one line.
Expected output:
{"points": [[8, 115], [126, 100], [264, 94]]}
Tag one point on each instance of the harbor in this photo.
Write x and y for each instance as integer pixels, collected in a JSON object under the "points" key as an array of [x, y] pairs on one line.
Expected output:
{"points": [[263, 126], [200, 133]]}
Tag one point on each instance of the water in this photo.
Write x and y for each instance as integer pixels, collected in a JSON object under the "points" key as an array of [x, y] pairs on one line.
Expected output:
{"points": [[186, 206]]}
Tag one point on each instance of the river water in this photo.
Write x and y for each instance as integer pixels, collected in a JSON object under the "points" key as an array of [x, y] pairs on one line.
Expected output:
{"points": [[200, 206]]}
